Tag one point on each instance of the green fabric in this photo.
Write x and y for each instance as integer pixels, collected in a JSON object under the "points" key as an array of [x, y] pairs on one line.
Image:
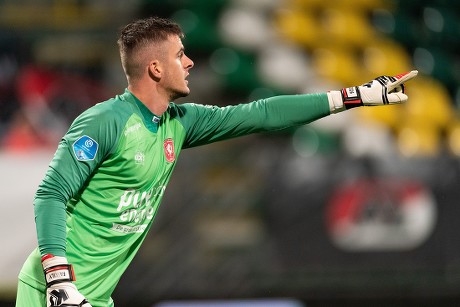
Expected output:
{"points": [[97, 211], [207, 124], [28, 295]]}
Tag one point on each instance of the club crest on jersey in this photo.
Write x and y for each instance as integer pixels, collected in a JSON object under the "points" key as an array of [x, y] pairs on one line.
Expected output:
{"points": [[85, 148], [168, 146]]}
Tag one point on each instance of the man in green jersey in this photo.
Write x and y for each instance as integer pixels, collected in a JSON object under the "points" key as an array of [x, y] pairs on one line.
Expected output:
{"points": [[104, 185]]}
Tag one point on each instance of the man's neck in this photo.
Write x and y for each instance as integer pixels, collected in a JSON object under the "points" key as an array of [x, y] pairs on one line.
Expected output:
{"points": [[149, 96]]}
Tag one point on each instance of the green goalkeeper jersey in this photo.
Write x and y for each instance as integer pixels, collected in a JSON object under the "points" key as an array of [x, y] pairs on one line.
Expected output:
{"points": [[104, 185]]}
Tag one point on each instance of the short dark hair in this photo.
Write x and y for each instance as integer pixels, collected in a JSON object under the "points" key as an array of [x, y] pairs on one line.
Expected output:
{"points": [[141, 33]]}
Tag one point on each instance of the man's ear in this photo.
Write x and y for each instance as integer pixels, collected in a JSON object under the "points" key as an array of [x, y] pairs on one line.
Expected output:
{"points": [[155, 70]]}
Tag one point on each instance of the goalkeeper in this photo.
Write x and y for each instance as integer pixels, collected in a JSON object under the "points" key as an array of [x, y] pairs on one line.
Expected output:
{"points": [[103, 187]]}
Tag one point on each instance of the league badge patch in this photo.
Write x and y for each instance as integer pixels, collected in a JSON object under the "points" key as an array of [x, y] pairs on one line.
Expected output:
{"points": [[168, 146], [85, 148]]}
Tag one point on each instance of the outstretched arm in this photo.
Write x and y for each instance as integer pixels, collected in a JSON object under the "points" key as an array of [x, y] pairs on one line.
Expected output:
{"points": [[207, 124]]}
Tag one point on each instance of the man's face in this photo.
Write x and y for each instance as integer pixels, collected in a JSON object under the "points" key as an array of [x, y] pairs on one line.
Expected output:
{"points": [[175, 69]]}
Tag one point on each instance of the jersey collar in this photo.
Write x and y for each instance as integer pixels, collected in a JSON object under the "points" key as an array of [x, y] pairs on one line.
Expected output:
{"points": [[151, 120]]}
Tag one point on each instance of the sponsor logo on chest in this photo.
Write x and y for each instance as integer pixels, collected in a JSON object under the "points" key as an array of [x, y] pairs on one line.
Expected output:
{"points": [[137, 207]]}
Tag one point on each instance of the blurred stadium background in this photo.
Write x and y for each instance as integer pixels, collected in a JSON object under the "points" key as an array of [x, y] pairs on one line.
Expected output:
{"points": [[358, 209]]}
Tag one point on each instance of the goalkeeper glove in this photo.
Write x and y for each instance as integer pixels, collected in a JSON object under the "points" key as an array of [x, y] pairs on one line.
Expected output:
{"points": [[60, 291], [380, 91]]}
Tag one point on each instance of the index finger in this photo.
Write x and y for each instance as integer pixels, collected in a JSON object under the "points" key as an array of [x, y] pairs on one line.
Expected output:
{"points": [[402, 78]]}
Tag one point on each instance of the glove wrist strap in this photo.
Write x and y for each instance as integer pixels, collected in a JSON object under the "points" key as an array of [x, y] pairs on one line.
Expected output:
{"points": [[58, 274], [57, 271], [351, 97]]}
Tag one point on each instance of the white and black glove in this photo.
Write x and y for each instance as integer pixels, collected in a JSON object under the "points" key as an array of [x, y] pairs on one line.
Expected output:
{"points": [[60, 291], [380, 91]]}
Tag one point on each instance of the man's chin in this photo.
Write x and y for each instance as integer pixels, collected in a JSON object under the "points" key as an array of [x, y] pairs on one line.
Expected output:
{"points": [[180, 94]]}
